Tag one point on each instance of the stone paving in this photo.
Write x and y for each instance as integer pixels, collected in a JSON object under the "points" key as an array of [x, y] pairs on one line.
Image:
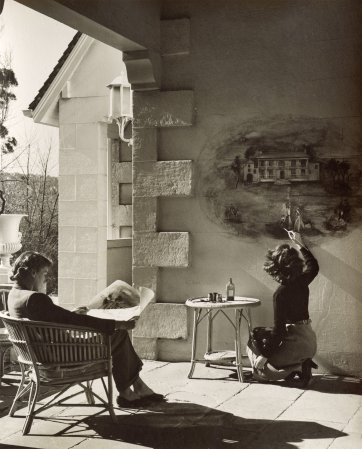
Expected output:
{"points": [[213, 410]]}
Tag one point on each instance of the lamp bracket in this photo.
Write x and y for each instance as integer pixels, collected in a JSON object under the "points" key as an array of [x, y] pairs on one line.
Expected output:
{"points": [[122, 123]]}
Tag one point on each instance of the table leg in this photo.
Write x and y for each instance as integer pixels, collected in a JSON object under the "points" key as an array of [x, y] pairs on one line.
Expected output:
{"points": [[239, 362], [194, 339], [209, 335], [249, 321]]}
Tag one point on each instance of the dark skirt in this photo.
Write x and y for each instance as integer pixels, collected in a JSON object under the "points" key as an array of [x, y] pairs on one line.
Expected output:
{"points": [[299, 344]]}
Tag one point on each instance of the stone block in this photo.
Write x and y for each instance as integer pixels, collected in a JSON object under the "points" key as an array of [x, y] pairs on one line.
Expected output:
{"points": [[146, 277], [102, 135], [163, 249], [66, 237], [146, 348], [175, 37], [78, 265], [79, 162], [145, 144], [78, 213], [165, 178], [122, 216], [83, 110], [122, 172], [102, 212], [102, 261], [102, 187], [145, 214], [162, 320], [163, 109], [101, 283], [65, 289], [87, 135], [84, 291], [67, 188], [86, 187], [67, 137], [86, 239]]}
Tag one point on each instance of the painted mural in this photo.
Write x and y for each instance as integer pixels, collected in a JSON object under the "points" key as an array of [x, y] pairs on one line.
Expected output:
{"points": [[270, 175]]}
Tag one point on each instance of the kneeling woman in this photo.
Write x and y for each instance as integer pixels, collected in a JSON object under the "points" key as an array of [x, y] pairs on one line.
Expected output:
{"points": [[27, 299], [287, 349]]}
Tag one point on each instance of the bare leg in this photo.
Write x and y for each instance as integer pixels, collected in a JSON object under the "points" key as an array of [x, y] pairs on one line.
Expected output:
{"points": [[144, 391]]}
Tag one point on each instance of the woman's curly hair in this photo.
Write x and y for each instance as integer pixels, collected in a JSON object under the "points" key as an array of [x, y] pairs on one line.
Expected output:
{"points": [[27, 261], [283, 263]]}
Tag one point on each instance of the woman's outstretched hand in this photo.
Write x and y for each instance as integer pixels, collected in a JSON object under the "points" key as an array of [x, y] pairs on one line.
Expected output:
{"points": [[296, 238]]}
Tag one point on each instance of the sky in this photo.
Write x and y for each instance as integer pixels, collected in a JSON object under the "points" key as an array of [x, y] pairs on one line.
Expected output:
{"points": [[35, 42]]}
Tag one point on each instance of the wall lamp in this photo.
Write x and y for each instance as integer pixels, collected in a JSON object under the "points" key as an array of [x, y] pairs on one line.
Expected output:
{"points": [[120, 105]]}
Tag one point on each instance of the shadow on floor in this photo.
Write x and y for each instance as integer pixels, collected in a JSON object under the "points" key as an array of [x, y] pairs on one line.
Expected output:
{"points": [[15, 446], [322, 383], [179, 425], [8, 389]]}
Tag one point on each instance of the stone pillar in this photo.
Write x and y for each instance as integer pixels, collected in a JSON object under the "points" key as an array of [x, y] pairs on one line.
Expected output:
{"points": [[152, 179], [82, 200]]}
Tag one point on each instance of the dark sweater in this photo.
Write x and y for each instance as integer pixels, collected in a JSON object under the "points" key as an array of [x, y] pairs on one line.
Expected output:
{"points": [[291, 300], [39, 307]]}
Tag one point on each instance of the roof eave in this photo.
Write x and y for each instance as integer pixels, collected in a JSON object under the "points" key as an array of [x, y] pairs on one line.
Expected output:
{"points": [[47, 110]]}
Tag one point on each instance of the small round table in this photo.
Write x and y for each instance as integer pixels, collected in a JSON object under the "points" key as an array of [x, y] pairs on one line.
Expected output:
{"points": [[211, 310]]}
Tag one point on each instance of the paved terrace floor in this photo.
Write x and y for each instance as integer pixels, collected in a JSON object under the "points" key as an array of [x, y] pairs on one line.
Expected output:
{"points": [[213, 410]]}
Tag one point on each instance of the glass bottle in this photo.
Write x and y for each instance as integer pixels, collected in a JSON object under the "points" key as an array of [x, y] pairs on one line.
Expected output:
{"points": [[230, 291]]}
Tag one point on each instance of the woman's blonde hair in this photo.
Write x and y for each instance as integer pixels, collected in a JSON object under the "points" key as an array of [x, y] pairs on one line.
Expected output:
{"points": [[283, 263], [27, 261]]}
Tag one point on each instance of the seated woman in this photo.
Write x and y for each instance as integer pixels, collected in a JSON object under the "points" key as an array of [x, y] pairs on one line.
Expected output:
{"points": [[286, 350], [28, 299]]}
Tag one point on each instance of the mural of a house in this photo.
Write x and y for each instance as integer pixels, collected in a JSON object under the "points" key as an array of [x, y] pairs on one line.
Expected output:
{"points": [[196, 69], [278, 167]]}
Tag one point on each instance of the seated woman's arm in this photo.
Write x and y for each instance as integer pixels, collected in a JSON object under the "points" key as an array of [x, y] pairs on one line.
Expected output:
{"points": [[40, 307]]}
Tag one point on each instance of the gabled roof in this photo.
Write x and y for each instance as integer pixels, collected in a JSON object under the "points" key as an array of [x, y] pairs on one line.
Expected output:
{"points": [[44, 108], [55, 71]]}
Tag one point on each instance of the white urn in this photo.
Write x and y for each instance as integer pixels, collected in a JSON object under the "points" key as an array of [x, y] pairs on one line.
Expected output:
{"points": [[10, 242]]}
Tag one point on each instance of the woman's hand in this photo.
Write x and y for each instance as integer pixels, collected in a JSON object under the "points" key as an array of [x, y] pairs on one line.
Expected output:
{"points": [[82, 310], [296, 238]]}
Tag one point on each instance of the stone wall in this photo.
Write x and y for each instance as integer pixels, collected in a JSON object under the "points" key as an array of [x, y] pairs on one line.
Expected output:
{"points": [[252, 60], [83, 183]]}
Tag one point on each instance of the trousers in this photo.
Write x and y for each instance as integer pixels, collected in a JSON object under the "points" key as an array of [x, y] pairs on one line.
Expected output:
{"points": [[126, 365]]}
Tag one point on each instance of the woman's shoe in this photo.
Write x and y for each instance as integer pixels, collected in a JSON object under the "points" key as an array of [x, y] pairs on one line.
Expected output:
{"points": [[125, 403], [136, 403], [154, 397], [306, 376]]}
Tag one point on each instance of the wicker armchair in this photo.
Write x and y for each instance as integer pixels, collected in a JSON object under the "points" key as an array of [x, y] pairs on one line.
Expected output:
{"points": [[5, 343], [52, 354]]}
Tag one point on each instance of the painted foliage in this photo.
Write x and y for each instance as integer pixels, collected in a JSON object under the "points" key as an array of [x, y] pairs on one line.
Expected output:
{"points": [[267, 175]]}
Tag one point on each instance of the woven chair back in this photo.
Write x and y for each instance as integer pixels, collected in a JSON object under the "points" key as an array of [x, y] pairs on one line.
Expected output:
{"points": [[54, 344]]}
